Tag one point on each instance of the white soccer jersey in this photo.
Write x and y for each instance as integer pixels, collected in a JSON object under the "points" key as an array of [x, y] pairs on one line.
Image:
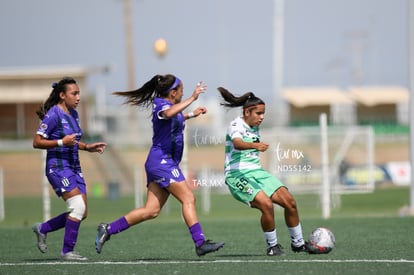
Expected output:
{"points": [[241, 159]]}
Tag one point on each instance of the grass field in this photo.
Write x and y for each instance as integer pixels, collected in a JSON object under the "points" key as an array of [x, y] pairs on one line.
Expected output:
{"points": [[371, 239]]}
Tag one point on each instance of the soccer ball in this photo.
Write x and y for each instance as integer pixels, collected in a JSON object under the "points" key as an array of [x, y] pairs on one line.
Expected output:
{"points": [[321, 241]]}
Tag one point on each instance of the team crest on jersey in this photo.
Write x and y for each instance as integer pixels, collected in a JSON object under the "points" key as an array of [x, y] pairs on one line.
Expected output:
{"points": [[43, 126], [248, 190]]}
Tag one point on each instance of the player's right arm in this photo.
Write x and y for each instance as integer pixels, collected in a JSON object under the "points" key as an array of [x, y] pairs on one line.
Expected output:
{"points": [[239, 144], [40, 142]]}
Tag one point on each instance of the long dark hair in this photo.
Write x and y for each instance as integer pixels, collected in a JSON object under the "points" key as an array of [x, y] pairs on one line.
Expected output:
{"points": [[54, 97], [158, 86], [246, 100]]}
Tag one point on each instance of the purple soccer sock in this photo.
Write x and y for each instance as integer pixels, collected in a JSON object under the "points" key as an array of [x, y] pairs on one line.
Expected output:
{"points": [[117, 226], [197, 234], [53, 224], [71, 235]]}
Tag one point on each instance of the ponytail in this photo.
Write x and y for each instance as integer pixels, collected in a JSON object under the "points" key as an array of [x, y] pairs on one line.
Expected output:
{"points": [[158, 86], [246, 100]]}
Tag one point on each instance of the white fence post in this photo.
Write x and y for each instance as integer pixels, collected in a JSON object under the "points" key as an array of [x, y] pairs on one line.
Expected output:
{"points": [[138, 188], [325, 192], [2, 214], [45, 190]]}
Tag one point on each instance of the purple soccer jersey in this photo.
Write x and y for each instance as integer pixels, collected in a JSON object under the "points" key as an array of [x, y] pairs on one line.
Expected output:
{"points": [[55, 125], [162, 165], [62, 163]]}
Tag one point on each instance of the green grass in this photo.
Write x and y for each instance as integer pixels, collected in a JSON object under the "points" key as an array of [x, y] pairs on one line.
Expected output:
{"points": [[371, 239]]}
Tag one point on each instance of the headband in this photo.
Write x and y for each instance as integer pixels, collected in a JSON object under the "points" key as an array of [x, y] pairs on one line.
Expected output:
{"points": [[175, 84]]}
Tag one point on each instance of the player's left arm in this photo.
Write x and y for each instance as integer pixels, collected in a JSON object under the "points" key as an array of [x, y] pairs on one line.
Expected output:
{"points": [[179, 107], [92, 147], [196, 112]]}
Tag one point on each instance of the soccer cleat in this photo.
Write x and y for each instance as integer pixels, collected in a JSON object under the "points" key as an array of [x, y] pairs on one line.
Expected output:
{"points": [[302, 248], [73, 256], [208, 247], [102, 236], [275, 251], [41, 238]]}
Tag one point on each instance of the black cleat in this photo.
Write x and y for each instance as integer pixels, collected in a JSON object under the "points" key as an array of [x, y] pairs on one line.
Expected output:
{"points": [[208, 247], [275, 251], [302, 248]]}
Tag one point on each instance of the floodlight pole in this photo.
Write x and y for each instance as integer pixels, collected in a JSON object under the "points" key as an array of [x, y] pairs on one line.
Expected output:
{"points": [[129, 48], [278, 42], [129, 44], [411, 89]]}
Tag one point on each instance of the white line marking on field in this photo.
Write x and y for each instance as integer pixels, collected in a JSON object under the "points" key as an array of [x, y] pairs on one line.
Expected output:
{"points": [[147, 262]]}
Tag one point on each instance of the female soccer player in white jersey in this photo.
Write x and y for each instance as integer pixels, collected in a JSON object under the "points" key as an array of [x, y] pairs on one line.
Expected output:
{"points": [[248, 182], [164, 177]]}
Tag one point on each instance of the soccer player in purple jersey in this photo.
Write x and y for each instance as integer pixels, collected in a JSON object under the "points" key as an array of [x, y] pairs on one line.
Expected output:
{"points": [[164, 177], [60, 133]]}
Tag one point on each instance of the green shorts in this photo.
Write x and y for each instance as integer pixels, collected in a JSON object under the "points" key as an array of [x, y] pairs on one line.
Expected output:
{"points": [[244, 185]]}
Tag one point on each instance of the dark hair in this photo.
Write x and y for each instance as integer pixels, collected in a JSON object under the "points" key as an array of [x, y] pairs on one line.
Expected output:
{"points": [[158, 86], [54, 97], [246, 100]]}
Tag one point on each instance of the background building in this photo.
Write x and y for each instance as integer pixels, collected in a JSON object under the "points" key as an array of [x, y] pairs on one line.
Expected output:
{"points": [[23, 90]]}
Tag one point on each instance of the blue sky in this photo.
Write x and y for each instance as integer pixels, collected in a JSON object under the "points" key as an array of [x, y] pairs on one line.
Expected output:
{"points": [[223, 42]]}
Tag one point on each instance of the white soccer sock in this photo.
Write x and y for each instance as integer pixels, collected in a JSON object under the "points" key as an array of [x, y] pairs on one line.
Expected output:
{"points": [[296, 236], [271, 238]]}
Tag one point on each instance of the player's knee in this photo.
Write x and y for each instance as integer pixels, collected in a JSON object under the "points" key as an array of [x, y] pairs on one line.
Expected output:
{"points": [[264, 204], [291, 203], [291, 208], [268, 205], [76, 207], [153, 214], [189, 199], [149, 212]]}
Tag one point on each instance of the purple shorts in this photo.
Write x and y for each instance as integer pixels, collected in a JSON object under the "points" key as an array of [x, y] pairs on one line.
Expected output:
{"points": [[163, 173], [66, 181]]}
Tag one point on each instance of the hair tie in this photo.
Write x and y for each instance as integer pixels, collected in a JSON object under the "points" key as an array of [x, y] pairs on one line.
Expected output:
{"points": [[54, 84]]}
